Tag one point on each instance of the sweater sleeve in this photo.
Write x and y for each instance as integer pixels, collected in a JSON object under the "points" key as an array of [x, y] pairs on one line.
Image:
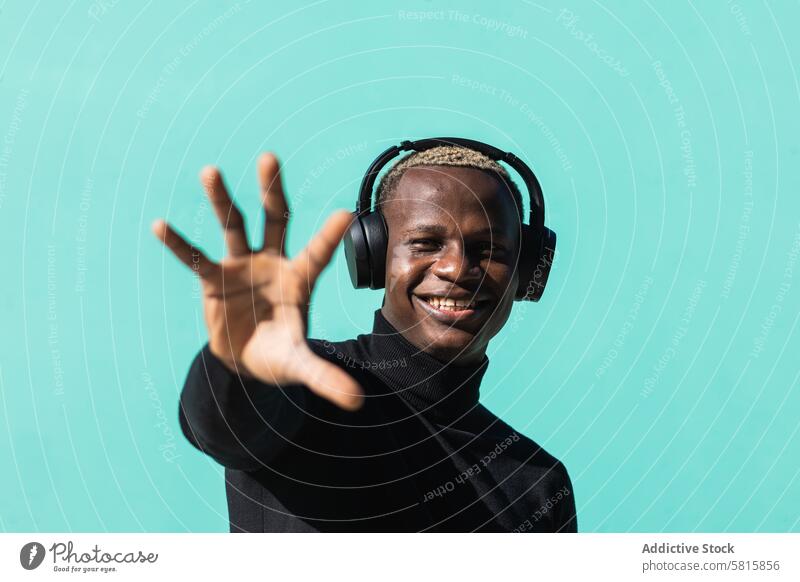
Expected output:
{"points": [[241, 423], [566, 515]]}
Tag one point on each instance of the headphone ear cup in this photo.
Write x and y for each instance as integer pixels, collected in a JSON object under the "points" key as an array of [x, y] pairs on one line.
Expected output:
{"points": [[365, 251], [377, 237], [536, 259], [357, 254]]}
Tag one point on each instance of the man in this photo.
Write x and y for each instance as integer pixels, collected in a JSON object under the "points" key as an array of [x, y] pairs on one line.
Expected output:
{"points": [[383, 432]]}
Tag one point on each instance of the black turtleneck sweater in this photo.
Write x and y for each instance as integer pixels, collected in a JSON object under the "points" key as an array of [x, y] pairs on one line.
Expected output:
{"points": [[422, 454]]}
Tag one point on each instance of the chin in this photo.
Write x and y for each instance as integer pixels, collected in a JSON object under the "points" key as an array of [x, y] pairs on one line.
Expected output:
{"points": [[450, 344]]}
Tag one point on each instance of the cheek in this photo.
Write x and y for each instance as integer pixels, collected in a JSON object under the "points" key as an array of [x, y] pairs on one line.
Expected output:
{"points": [[401, 272], [501, 275]]}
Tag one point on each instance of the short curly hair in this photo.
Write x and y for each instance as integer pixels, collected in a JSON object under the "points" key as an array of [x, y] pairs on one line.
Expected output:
{"points": [[446, 155]]}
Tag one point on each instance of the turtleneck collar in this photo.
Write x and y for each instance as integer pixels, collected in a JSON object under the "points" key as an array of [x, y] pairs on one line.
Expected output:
{"points": [[428, 384]]}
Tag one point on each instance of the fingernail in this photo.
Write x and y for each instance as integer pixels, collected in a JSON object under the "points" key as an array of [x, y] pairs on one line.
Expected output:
{"points": [[158, 226]]}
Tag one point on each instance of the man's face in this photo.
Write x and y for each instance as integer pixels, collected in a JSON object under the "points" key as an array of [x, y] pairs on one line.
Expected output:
{"points": [[450, 277]]}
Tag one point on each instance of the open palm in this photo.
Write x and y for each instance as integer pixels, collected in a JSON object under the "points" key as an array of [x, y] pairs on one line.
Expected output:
{"points": [[256, 301]]}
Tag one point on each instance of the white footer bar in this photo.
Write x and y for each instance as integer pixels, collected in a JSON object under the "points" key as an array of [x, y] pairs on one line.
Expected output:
{"points": [[390, 557]]}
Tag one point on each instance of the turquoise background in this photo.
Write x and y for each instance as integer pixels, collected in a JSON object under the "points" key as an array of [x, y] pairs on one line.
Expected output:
{"points": [[660, 366]]}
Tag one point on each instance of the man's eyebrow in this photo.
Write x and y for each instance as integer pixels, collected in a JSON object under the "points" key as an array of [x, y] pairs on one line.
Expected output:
{"points": [[493, 230], [439, 229]]}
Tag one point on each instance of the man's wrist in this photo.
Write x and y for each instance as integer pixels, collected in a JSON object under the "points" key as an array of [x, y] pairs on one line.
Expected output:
{"points": [[232, 365]]}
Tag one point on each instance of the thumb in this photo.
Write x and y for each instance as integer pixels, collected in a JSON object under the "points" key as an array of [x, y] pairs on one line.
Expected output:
{"points": [[332, 383]]}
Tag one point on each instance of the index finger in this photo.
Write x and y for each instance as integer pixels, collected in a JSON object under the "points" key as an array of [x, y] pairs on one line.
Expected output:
{"points": [[317, 254]]}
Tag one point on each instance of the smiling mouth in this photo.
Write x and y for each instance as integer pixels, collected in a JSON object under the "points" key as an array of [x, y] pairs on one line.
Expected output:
{"points": [[447, 304], [447, 308]]}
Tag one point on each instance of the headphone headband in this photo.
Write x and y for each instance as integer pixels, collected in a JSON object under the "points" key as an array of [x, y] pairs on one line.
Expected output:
{"points": [[535, 212]]}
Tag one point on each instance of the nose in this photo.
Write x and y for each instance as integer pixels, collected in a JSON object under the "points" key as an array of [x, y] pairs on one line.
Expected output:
{"points": [[455, 266]]}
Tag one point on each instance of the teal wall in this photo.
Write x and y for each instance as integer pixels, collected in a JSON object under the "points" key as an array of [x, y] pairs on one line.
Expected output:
{"points": [[661, 365]]}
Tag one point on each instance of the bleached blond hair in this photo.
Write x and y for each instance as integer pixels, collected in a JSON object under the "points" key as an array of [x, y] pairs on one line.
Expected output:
{"points": [[446, 155]]}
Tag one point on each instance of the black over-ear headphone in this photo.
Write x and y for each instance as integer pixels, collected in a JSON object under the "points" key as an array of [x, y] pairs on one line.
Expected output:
{"points": [[366, 240]]}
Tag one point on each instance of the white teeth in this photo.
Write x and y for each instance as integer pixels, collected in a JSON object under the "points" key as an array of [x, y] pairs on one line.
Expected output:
{"points": [[447, 304]]}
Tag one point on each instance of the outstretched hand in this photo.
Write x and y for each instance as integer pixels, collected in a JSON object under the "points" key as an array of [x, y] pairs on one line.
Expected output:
{"points": [[256, 301]]}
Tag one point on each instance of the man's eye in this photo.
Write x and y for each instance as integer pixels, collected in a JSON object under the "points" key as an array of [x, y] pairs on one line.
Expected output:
{"points": [[424, 245], [490, 250]]}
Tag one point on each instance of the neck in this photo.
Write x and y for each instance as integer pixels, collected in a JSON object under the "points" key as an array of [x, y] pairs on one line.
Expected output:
{"points": [[469, 355], [433, 386]]}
